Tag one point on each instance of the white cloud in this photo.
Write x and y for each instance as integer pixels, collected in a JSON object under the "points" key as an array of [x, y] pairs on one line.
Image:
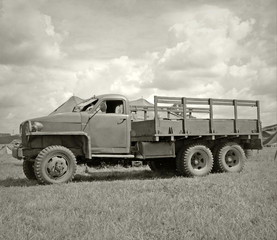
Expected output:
{"points": [[120, 75], [28, 92], [211, 52], [240, 29], [10, 116], [27, 35], [201, 48], [208, 55]]}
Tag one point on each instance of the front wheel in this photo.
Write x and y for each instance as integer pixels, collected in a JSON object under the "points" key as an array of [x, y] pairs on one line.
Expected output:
{"points": [[55, 164], [230, 158], [195, 160], [28, 169]]}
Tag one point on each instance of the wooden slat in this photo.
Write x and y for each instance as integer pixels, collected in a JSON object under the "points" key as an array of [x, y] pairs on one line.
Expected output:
{"points": [[211, 116], [184, 115], [236, 116], [198, 101], [156, 113], [224, 103], [259, 117], [169, 98], [249, 103], [169, 101]]}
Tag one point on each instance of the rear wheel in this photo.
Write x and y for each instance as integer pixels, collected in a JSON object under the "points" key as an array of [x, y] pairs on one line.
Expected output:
{"points": [[215, 150], [55, 164], [28, 169], [195, 160], [230, 158]]}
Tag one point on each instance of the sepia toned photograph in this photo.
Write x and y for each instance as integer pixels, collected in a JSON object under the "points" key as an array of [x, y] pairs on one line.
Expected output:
{"points": [[138, 119]]}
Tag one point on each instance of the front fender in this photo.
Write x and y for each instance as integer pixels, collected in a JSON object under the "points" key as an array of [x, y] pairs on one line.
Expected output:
{"points": [[45, 139]]}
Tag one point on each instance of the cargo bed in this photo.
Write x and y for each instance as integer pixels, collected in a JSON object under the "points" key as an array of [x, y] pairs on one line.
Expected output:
{"points": [[179, 120]]}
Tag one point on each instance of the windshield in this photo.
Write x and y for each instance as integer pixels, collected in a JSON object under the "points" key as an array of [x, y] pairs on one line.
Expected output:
{"points": [[85, 105]]}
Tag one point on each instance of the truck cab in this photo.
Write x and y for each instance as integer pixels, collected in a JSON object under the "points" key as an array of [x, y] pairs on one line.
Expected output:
{"points": [[106, 120]]}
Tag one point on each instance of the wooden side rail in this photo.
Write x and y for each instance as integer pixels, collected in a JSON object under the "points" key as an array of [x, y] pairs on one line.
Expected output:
{"points": [[182, 109]]}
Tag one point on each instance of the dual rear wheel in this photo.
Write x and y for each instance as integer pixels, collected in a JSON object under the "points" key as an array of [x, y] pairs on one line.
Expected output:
{"points": [[194, 160], [199, 160]]}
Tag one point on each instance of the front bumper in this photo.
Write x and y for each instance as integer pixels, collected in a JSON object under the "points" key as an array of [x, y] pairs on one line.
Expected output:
{"points": [[17, 152]]}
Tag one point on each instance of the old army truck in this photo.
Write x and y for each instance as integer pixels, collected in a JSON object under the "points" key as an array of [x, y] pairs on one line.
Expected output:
{"points": [[174, 134]]}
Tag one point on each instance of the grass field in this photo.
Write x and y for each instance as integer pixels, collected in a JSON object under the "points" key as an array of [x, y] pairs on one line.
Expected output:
{"points": [[137, 204]]}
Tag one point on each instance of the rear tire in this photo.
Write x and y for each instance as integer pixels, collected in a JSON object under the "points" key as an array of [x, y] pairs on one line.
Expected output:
{"points": [[230, 158], [28, 169], [195, 160], [215, 168], [55, 164]]}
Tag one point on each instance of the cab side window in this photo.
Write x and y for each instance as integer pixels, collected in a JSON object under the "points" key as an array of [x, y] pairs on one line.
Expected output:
{"points": [[115, 106]]}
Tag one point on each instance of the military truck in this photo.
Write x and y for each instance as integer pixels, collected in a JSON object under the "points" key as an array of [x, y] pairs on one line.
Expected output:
{"points": [[170, 135]]}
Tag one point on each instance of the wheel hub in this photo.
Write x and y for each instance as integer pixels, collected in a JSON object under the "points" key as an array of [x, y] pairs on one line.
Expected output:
{"points": [[57, 166], [198, 161], [231, 158]]}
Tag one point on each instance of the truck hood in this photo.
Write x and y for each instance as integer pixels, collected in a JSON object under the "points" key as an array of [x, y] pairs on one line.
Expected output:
{"points": [[61, 122]]}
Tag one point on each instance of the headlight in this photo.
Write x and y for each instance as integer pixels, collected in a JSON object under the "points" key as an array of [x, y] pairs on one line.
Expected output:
{"points": [[36, 126]]}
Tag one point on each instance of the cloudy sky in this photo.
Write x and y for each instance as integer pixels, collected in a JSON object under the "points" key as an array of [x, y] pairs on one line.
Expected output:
{"points": [[53, 49]]}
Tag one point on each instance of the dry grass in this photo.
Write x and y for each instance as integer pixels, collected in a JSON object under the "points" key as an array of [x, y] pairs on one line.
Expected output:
{"points": [[137, 204]]}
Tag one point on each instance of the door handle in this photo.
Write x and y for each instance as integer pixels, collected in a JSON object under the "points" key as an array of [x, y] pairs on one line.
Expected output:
{"points": [[122, 120]]}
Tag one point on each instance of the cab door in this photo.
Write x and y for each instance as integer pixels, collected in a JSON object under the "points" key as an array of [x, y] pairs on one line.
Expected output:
{"points": [[110, 131]]}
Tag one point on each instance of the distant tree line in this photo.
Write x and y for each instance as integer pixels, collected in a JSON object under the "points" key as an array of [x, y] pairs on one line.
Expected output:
{"points": [[5, 139]]}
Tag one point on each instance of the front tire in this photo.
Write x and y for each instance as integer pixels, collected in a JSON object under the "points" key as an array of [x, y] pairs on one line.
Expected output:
{"points": [[195, 160], [28, 169], [230, 158], [55, 164]]}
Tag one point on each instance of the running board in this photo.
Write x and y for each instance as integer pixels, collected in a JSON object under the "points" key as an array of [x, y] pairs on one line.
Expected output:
{"points": [[112, 156]]}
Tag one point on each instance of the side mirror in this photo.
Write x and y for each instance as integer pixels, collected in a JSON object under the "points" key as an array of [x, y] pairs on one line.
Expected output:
{"points": [[103, 107]]}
